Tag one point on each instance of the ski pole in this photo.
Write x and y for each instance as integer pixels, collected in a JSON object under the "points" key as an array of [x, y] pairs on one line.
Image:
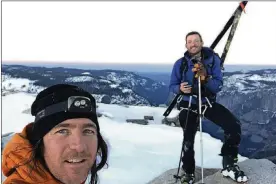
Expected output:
{"points": [[181, 153], [200, 125]]}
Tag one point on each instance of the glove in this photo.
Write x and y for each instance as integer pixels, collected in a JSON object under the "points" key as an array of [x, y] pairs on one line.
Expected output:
{"points": [[200, 71]]}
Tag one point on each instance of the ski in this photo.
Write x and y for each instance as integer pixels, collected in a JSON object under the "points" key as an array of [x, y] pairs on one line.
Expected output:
{"points": [[237, 16], [171, 106], [228, 24]]}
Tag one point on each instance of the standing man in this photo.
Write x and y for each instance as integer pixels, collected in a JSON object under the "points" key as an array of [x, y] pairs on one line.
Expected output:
{"points": [[61, 145], [202, 61]]}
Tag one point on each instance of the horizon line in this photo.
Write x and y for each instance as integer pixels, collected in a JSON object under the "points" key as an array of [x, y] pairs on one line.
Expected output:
{"points": [[118, 63]]}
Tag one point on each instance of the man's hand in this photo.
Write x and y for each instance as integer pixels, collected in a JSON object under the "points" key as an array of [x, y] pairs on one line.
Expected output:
{"points": [[185, 88], [200, 71]]}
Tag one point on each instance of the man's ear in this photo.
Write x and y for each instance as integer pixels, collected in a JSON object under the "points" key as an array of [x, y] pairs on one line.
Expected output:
{"points": [[186, 46]]}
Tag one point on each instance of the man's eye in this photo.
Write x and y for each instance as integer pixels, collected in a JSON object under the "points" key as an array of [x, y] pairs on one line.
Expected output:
{"points": [[89, 131], [63, 131]]}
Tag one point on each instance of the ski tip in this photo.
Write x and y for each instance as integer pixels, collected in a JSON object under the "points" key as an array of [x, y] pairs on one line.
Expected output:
{"points": [[242, 5]]}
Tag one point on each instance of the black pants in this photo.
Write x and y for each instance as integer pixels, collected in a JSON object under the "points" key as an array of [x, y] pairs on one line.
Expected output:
{"points": [[219, 115]]}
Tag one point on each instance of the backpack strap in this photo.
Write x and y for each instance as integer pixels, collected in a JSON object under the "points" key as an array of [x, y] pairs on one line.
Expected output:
{"points": [[211, 65], [183, 67], [221, 63]]}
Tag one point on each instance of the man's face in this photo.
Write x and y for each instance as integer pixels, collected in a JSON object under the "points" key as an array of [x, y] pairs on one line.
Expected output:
{"points": [[194, 44], [70, 150]]}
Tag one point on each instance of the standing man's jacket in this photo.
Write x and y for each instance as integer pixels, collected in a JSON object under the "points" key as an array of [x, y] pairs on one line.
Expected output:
{"points": [[212, 64]]}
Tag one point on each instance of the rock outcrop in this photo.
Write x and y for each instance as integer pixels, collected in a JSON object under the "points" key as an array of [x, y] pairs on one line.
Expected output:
{"points": [[259, 171], [168, 176]]}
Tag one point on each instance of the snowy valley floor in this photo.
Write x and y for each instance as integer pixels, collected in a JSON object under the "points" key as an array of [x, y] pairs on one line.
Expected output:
{"points": [[138, 153]]}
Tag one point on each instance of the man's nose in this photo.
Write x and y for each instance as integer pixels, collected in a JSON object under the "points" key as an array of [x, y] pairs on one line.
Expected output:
{"points": [[77, 143], [193, 44]]}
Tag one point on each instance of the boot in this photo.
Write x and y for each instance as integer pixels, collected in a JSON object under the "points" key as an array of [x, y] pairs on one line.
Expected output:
{"points": [[232, 170], [187, 178]]}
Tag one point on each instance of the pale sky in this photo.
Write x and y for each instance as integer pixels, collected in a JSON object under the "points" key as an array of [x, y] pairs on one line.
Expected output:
{"points": [[132, 32]]}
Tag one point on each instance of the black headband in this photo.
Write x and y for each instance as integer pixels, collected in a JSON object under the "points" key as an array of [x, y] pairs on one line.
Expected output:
{"points": [[76, 104]]}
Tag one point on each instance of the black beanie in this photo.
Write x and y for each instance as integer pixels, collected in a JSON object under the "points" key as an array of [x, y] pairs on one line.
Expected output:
{"points": [[57, 96]]}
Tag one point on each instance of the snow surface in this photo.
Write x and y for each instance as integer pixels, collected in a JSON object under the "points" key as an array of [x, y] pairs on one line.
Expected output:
{"points": [[14, 83], [235, 80], [86, 73], [114, 85], [19, 84], [128, 77], [138, 153], [79, 79], [103, 80], [248, 83], [265, 77], [125, 90]]}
